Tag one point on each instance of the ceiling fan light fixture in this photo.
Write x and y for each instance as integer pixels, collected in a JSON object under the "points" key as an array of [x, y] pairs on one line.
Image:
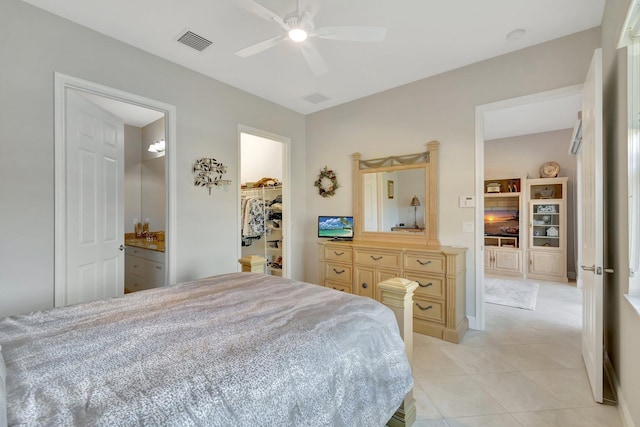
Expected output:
{"points": [[298, 35]]}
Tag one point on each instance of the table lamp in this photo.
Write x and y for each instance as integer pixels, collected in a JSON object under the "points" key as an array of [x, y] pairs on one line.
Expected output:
{"points": [[415, 203]]}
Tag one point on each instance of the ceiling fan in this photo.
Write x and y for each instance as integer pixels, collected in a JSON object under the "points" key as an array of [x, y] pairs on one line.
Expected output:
{"points": [[298, 26]]}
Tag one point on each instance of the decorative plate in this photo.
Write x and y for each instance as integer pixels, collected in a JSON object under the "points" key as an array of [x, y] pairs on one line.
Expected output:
{"points": [[549, 170]]}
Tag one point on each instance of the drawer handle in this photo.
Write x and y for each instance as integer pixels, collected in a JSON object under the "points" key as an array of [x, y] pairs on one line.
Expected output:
{"points": [[364, 285], [423, 262], [423, 308], [338, 253], [426, 285], [341, 290], [376, 258], [338, 272], [158, 267]]}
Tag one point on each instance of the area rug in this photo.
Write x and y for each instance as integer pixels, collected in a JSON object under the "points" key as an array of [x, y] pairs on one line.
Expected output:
{"points": [[512, 293]]}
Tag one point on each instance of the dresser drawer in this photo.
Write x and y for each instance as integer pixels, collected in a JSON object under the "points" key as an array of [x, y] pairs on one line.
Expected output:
{"points": [[338, 272], [431, 263], [337, 253], [145, 253], [429, 286], [337, 286], [377, 259], [427, 309]]}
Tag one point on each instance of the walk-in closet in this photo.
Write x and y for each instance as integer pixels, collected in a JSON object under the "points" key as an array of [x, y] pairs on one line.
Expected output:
{"points": [[261, 205]]}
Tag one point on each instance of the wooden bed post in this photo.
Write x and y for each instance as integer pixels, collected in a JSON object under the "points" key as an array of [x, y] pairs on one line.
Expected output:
{"points": [[397, 294], [253, 264]]}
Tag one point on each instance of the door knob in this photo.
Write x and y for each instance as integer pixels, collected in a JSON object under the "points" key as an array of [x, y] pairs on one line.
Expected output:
{"points": [[585, 268], [122, 247]]}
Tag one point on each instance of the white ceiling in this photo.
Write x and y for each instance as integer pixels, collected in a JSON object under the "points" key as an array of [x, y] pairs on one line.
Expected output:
{"points": [[424, 38], [543, 116], [132, 115]]}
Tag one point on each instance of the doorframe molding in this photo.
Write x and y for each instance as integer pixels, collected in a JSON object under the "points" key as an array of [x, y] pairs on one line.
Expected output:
{"points": [[479, 318], [286, 191], [62, 82]]}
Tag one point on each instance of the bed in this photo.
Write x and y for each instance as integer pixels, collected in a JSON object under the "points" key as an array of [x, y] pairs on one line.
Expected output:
{"points": [[241, 349]]}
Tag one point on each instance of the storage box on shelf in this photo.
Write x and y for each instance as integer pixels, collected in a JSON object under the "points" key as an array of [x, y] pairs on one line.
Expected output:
{"points": [[547, 228]]}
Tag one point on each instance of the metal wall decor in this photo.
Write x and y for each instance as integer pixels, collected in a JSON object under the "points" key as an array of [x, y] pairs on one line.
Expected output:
{"points": [[209, 173]]}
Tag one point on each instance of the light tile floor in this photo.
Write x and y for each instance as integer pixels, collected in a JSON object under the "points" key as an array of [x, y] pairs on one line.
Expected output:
{"points": [[524, 369]]}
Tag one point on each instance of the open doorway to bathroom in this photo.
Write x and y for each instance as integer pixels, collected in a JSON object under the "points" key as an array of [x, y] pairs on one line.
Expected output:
{"points": [[104, 176], [263, 201]]}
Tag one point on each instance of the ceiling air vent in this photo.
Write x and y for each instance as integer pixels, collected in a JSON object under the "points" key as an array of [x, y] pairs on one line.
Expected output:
{"points": [[194, 41], [315, 98]]}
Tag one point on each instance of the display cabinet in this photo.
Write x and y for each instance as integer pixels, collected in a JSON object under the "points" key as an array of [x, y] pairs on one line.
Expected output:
{"points": [[503, 236], [547, 228]]}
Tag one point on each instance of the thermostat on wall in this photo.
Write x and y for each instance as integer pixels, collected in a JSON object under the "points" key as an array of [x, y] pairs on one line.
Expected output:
{"points": [[467, 201]]}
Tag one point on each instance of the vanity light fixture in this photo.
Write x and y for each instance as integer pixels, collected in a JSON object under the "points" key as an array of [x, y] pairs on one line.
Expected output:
{"points": [[415, 202], [209, 173], [157, 147]]}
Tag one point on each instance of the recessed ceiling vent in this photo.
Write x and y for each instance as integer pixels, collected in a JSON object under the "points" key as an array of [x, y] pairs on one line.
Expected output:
{"points": [[315, 98], [194, 41]]}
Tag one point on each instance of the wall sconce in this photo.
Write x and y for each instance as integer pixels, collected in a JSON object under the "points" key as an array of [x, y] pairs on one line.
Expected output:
{"points": [[209, 173], [157, 147]]}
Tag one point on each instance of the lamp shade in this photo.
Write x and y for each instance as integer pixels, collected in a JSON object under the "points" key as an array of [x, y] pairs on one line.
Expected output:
{"points": [[415, 201]]}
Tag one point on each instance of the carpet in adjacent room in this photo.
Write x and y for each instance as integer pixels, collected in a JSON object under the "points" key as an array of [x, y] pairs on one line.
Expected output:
{"points": [[512, 293]]}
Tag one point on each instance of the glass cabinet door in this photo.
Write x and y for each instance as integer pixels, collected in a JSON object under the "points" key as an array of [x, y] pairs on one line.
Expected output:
{"points": [[546, 225]]}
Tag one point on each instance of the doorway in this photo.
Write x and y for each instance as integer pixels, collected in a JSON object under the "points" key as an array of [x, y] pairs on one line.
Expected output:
{"points": [[482, 112], [264, 219], [91, 95]]}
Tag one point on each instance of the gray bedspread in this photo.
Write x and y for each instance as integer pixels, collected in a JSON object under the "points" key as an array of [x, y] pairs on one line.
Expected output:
{"points": [[240, 349]]}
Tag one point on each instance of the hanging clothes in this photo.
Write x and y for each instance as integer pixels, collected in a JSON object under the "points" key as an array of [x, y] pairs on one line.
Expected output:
{"points": [[253, 223]]}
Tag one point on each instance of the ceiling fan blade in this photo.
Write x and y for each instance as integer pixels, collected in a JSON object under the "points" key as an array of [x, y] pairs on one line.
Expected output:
{"points": [[259, 47], [261, 11], [313, 58], [309, 10], [355, 34]]}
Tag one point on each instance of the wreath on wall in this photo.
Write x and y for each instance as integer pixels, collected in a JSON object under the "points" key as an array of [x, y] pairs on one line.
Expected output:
{"points": [[327, 183]]}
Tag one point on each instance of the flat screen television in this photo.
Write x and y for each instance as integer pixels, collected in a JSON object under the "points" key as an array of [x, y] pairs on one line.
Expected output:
{"points": [[501, 222], [335, 226]]}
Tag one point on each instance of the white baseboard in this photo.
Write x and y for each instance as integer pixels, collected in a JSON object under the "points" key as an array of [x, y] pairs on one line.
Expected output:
{"points": [[623, 407], [472, 322]]}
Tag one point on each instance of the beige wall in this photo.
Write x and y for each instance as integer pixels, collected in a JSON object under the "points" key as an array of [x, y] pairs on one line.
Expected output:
{"points": [[522, 156], [403, 120], [622, 322], [152, 177], [208, 115], [132, 184]]}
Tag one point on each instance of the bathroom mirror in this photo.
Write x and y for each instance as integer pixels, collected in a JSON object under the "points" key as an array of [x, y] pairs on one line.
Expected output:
{"points": [[395, 198]]}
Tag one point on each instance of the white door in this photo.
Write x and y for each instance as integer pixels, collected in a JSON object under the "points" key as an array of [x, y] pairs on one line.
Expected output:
{"points": [[94, 202], [591, 227]]}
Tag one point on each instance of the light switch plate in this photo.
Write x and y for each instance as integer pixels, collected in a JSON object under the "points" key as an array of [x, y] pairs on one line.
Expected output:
{"points": [[467, 227], [466, 201]]}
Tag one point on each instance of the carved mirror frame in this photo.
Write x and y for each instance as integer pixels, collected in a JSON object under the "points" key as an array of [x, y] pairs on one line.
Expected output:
{"points": [[427, 160]]}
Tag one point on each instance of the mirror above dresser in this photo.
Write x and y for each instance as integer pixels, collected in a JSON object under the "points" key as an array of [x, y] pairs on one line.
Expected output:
{"points": [[396, 198]]}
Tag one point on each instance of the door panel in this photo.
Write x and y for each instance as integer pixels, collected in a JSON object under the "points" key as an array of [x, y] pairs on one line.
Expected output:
{"points": [[95, 202], [591, 226]]}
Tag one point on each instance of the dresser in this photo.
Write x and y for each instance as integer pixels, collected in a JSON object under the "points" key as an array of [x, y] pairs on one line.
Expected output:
{"points": [[439, 301]]}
